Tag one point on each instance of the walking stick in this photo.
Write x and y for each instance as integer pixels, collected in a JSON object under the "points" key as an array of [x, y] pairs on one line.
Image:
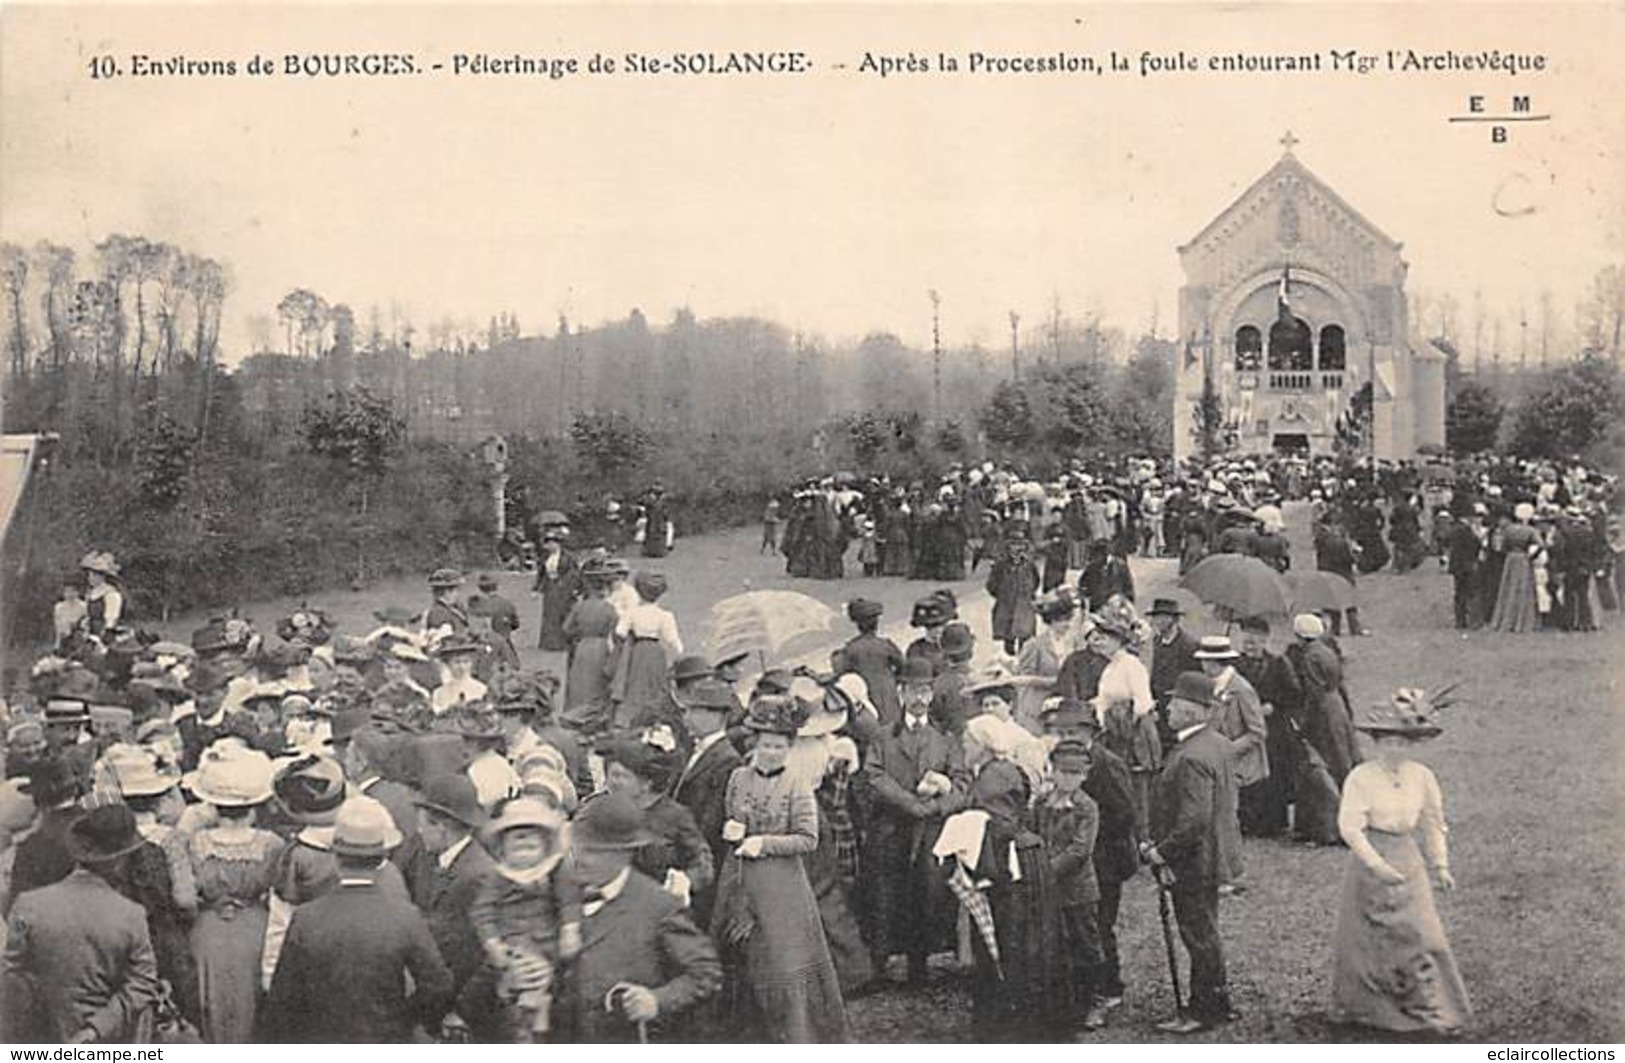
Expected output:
{"points": [[1165, 910]]}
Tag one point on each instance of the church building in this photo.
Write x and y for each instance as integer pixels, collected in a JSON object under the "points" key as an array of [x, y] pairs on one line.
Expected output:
{"points": [[1293, 301]]}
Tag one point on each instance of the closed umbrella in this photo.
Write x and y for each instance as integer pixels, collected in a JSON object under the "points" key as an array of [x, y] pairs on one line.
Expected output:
{"points": [[1236, 585]]}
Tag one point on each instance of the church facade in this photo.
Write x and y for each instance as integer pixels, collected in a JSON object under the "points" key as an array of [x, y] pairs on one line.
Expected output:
{"points": [[1292, 302]]}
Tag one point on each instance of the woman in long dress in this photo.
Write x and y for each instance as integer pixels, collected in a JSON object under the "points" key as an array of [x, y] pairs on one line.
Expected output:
{"points": [[558, 583], [652, 644], [782, 978], [1327, 731], [1393, 968], [233, 864], [1518, 542], [1023, 994], [590, 632]]}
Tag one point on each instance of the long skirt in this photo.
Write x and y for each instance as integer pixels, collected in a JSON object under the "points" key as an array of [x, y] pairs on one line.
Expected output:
{"points": [[1393, 969], [226, 946], [782, 975], [586, 685], [1035, 999], [640, 680], [1515, 602]]}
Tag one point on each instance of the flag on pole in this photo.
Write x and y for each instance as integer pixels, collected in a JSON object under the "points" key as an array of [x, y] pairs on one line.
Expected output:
{"points": [[1282, 298]]}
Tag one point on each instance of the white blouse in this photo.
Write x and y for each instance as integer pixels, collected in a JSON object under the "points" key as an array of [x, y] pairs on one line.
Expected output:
{"points": [[1375, 799], [1125, 679], [649, 621]]}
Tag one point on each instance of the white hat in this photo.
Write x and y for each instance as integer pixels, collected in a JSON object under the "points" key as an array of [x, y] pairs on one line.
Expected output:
{"points": [[1308, 626]]}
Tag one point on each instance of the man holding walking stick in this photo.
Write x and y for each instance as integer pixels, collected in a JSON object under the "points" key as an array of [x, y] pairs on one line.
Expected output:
{"points": [[1195, 790]]}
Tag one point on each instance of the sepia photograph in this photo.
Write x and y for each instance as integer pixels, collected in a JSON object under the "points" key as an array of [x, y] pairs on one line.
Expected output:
{"points": [[737, 523]]}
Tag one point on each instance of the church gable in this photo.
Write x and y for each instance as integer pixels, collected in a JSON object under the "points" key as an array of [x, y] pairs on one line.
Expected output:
{"points": [[1290, 216]]}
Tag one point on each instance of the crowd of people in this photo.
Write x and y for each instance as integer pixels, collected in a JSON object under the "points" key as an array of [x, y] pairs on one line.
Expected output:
{"points": [[403, 834]]}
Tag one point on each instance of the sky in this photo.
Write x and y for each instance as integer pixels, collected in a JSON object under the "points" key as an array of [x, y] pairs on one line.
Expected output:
{"points": [[831, 201]]}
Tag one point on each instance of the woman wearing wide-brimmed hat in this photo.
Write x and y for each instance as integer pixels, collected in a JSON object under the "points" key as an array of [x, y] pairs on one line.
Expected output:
{"points": [[104, 602], [1327, 730], [234, 863], [157, 875], [782, 978], [1393, 968]]}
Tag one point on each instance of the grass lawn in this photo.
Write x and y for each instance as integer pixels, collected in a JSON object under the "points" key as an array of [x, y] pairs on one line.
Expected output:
{"points": [[1529, 766]]}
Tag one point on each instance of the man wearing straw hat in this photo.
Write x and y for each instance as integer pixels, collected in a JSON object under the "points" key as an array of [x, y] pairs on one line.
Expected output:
{"points": [[79, 965], [344, 969]]}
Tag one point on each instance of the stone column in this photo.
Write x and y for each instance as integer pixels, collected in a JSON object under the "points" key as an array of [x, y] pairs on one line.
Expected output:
{"points": [[1427, 396]]}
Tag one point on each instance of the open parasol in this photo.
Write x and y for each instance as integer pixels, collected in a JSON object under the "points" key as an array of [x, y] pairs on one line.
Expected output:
{"points": [[1313, 592], [764, 623], [1236, 585]]}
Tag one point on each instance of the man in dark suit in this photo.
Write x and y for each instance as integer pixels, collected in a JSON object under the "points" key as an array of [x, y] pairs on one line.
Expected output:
{"points": [[43, 856], [702, 784], [445, 874], [344, 969], [950, 708], [1464, 557], [642, 959], [1196, 790], [79, 966], [1264, 804], [916, 777], [1173, 651]]}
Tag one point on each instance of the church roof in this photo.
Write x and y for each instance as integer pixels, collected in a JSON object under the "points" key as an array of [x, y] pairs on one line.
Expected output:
{"points": [[1290, 164]]}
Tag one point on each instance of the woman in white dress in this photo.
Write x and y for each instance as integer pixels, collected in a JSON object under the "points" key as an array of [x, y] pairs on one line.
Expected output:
{"points": [[1393, 968]]}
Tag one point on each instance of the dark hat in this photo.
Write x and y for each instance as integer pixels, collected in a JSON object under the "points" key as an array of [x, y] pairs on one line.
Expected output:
{"points": [[1165, 607], [478, 720], [1254, 625], [311, 789], [776, 714], [710, 694], [1069, 753], [452, 794], [1069, 715], [649, 585], [456, 645], [1193, 687], [861, 609], [691, 666], [644, 760], [773, 681], [1113, 626], [609, 821], [445, 577], [489, 582], [928, 612], [287, 655], [103, 834], [917, 670], [957, 640]]}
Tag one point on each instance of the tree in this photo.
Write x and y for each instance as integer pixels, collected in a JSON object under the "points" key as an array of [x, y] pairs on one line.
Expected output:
{"points": [[611, 444], [1473, 420], [1602, 313], [358, 429], [14, 275], [55, 264], [1571, 410], [304, 315], [1007, 419]]}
